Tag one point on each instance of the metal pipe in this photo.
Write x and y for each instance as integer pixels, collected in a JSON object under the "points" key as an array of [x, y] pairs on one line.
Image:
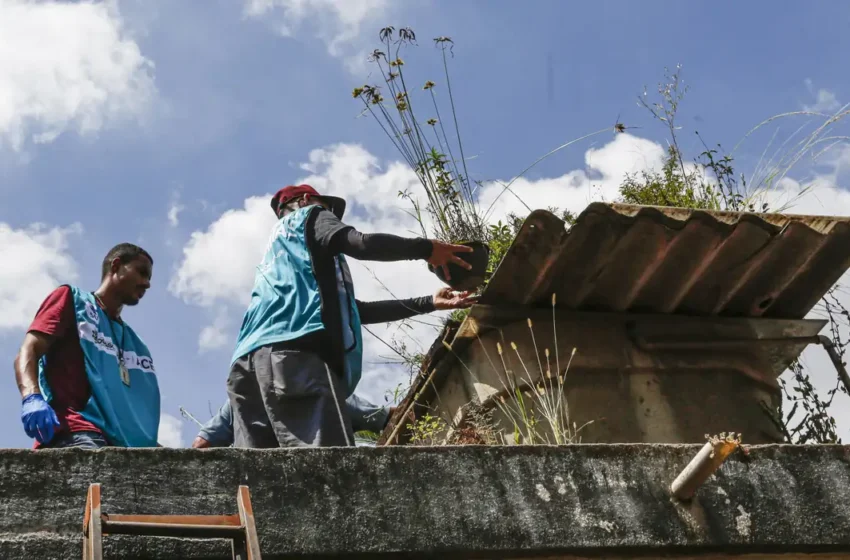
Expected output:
{"points": [[706, 462], [829, 346]]}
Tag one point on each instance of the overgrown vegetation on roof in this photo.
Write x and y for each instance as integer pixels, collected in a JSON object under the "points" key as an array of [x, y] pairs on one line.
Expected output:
{"points": [[710, 182]]}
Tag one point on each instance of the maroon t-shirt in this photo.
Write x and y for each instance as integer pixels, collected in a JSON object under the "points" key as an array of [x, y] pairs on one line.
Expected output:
{"points": [[66, 370]]}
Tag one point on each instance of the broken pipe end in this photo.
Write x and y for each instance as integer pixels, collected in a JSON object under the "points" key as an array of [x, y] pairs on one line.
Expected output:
{"points": [[706, 462]]}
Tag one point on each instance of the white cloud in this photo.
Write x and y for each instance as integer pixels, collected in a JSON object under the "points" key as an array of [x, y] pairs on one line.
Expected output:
{"points": [[67, 66], [605, 169], [36, 261], [174, 210], [175, 207], [214, 336], [825, 100], [170, 431], [218, 264], [337, 23]]}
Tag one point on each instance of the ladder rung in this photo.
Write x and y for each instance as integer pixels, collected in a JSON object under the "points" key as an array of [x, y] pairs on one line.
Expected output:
{"points": [[172, 529], [226, 520], [240, 528]]}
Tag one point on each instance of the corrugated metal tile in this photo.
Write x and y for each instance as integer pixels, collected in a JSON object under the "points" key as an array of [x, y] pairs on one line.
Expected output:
{"points": [[646, 259]]}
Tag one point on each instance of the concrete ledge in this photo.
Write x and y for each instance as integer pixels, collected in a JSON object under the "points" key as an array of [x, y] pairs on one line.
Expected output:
{"points": [[453, 501]]}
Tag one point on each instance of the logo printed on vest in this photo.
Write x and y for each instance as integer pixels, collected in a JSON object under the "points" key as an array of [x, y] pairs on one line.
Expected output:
{"points": [[89, 332], [92, 313], [134, 361], [104, 344]]}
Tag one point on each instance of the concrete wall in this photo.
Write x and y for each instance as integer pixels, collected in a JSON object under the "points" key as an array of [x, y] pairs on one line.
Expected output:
{"points": [[630, 393], [451, 502]]}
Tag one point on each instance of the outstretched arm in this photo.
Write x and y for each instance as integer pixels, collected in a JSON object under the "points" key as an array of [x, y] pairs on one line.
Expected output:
{"points": [[387, 311], [380, 246], [218, 431], [338, 238]]}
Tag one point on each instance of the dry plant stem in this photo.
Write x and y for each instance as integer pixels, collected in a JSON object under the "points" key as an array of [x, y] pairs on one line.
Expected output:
{"points": [[512, 390], [454, 113], [509, 375], [486, 354], [534, 342], [538, 160], [768, 120], [521, 396], [522, 363], [448, 147], [776, 172], [562, 378], [671, 97], [555, 334], [453, 215], [407, 410], [525, 411], [547, 395]]}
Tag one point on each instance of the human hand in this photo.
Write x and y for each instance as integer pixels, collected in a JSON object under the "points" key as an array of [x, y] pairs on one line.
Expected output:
{"points": [[445, 298], [38, 418], [444, 253], [200, 443]]}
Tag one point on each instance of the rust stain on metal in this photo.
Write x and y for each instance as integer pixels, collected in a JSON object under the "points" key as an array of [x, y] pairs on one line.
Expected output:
{"points": [[620, 257]]}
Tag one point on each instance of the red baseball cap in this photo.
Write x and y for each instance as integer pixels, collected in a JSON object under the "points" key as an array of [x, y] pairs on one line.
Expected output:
{"points": [[286, 194]]}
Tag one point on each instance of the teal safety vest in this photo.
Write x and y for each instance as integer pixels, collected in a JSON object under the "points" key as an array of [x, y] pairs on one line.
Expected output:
{"points": [[127, 414], [286, 303]]}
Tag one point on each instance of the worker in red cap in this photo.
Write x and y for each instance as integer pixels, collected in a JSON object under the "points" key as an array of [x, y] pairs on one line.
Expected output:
{"points": [[299, 351]]}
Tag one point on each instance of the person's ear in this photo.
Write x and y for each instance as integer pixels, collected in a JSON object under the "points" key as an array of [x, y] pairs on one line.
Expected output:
{"points": [[115, 266], [305, 201]]}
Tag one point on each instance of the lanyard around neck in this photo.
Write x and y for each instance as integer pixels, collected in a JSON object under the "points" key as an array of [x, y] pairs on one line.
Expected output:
{"points": [[118, 346]]}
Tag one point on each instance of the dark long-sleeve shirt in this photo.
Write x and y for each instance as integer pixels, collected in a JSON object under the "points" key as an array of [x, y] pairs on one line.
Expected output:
{"points": [[387, 311], [328, 237], [380, 247], [376, 246]]}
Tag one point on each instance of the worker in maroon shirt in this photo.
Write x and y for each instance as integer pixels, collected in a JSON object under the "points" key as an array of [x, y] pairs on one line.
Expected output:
{"points": [[85, 377]]}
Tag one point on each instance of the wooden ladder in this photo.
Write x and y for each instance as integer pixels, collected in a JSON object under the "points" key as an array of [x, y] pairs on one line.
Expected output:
{"points": [[238, 527]]}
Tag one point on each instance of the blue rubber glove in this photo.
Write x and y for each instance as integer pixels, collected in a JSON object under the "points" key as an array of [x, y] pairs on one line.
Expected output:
{"points": [[38, 418]]}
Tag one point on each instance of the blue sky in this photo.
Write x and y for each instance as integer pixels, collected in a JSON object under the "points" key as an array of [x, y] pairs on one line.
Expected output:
{"points": [[157, 122]]}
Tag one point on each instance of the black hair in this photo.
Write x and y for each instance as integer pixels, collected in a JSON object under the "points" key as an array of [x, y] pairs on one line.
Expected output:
{"points": [[124, 252]]}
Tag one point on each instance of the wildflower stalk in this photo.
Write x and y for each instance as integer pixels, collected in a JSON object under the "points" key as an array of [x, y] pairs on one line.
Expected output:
{"points": [[450, 200]]}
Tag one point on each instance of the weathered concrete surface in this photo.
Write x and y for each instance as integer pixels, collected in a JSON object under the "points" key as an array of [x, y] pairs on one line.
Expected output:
{"points": [[620, 387], [502, 502]]}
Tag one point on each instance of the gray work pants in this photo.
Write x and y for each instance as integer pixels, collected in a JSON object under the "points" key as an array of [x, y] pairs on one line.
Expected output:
{"points": [[287, 398]]}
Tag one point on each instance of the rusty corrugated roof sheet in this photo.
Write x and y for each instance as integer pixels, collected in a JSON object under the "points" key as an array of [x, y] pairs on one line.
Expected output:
{"points": [[619, 257]]}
